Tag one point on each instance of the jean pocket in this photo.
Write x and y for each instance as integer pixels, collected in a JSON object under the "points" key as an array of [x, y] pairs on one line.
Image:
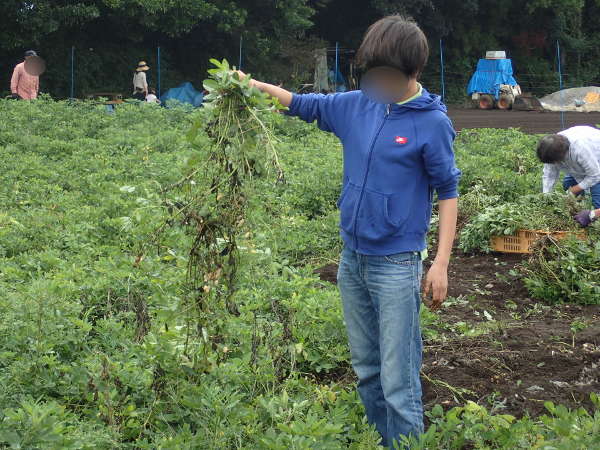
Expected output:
{"points": [[403, 259]]}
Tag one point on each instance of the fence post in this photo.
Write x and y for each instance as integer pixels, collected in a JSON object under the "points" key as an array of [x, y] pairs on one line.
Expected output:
{"points": [[337, 50], [158, 69], [442, 70], [240, 59], [72, 92], [560, 85]]}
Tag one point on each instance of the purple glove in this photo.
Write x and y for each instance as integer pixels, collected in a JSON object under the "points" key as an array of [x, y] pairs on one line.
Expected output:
{"points": [[583, 218]]}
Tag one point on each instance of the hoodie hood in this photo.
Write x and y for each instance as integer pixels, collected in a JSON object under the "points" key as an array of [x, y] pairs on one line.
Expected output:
{"points": [[426, 102]]}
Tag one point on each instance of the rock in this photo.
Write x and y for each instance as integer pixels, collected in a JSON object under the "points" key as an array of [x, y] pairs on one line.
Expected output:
{"points": [[535, 388]]}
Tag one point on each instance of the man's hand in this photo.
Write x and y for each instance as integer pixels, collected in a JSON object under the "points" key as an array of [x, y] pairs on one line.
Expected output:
{"points": [[436, 283], [583, 218], [575, 190]]}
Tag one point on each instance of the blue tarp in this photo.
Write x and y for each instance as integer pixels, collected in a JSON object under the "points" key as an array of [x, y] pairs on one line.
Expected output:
{"points": [[340, 82], [185, 93], [490, 74]]}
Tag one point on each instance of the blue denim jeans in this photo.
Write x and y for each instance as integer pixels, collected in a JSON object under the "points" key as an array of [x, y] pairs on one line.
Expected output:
{"points": [[381, 300], [569, 181]]}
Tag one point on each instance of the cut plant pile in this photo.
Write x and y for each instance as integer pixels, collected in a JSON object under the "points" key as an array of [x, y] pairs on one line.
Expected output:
{"points": [[565, 271], [536, 212]]}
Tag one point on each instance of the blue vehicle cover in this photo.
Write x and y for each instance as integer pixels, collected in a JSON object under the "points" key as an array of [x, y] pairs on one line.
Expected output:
{"points": [[185, 93], [490, 74], [340, 82]]}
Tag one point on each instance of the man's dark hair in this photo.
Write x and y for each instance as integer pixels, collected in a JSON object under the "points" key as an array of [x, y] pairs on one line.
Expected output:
{"points": [[553, 148], [394, 41], [30, 53]]}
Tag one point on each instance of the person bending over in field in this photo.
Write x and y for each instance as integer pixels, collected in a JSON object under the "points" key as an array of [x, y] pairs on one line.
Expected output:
{"points": [[398, 149], [151, 97], [576, 151]]}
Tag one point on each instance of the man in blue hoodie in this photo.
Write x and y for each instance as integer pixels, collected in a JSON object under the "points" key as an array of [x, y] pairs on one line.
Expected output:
{"points": [[398, 150]]}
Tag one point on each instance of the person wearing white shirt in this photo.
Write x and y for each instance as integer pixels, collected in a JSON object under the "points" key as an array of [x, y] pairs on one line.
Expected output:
{"points": [[152, 98], [139, 78], [575, 151]]}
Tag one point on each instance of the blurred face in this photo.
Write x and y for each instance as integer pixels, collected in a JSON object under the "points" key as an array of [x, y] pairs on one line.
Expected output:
{"points": [[385, 84], [34, 65]]}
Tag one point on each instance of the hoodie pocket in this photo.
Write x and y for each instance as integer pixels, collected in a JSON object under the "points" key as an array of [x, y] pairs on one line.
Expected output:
{"points": [[347, 204], [397, 209], [379, 216], [373, 219]]}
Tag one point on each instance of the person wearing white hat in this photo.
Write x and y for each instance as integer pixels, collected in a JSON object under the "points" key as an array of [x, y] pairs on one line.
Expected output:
{"points": [[139, 78]]}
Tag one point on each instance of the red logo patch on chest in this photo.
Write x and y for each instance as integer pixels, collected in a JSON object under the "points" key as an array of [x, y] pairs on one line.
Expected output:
{"points": [[401, 140]]}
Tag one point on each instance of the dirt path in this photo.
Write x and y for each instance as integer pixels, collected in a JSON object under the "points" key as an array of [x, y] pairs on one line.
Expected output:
{"points": [[494, 342], [529, 122]]}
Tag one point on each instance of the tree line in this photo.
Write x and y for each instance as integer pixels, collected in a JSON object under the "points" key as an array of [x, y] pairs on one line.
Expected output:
{"points": [[278, 37]]}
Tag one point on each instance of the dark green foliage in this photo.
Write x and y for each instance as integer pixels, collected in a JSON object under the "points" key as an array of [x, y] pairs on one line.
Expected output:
{"points": [[111, 36]]}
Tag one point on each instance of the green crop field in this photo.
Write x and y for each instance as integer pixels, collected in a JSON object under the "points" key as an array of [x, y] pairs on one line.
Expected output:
{"points": [[109, 340]]}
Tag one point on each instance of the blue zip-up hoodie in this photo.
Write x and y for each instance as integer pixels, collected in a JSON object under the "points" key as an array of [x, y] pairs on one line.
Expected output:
{"points": [[395, 156]]}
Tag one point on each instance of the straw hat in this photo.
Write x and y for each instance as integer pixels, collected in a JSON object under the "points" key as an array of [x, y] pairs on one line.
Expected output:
{"points": [[142, 66]]}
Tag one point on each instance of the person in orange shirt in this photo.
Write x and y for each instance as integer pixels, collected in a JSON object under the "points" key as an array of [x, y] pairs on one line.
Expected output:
{"points": [[23, 85]]}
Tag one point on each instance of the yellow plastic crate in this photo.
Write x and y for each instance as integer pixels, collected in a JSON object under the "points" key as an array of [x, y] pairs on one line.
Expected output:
{"points": [[523, 241]]}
